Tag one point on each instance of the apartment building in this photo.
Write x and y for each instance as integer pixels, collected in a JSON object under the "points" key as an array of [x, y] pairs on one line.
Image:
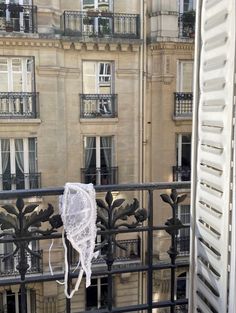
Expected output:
{"points": [[94, 91]]}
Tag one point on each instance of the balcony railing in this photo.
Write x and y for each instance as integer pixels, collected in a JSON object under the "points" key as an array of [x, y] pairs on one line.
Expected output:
{"points": [[18, 18], [183, 104], [19, 105], [100, 176], [98, 105], [20, 181], [115, 217], [8, 265], [181, 173], [100, 24], [186, 23]]}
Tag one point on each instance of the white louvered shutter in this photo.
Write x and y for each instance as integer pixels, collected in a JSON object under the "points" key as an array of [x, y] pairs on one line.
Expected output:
{"points": [[213, 151]]}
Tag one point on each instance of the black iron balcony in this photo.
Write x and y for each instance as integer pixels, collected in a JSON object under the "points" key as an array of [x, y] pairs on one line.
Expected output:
{"points": [[186, 23], [19, 105], [183, 104], [98, 105], [128, 250], [100, 24], [20, 181], [100, 176], [181, 173], [18, 18], [8, 265], [115, 217]]}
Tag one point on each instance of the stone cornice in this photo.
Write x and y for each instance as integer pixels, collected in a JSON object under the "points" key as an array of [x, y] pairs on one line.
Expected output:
{"points": [[187, 46], [69, 44]]}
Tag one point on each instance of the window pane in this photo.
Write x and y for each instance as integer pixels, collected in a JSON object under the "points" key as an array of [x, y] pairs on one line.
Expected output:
{"points": [[3, 75], [32, 156]]}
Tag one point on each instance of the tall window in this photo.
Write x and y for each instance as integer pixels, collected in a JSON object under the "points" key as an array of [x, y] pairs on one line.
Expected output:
{"points": [[16, 74], [97, 77], [183, 157], [10, 301], [184, 234], [98, 160], [185, 76], [18, 163], [98, 88], [96, 294]]}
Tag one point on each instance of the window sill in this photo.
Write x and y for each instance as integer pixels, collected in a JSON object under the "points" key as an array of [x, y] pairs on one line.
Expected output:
{"points": [[27, 121]]}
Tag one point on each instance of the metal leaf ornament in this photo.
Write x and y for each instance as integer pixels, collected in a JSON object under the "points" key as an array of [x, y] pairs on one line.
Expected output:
{"points": [[23, 221], [114, 215]]}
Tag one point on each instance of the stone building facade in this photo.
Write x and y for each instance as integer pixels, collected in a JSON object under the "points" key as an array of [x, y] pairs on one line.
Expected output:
{"points": [[94, 91]]}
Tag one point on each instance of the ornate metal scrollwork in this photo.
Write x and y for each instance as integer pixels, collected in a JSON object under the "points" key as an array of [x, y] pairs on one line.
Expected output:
{"points": [[23, 221], [112, 215]]}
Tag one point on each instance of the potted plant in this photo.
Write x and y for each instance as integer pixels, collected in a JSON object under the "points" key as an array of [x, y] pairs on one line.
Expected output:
{"points": [[9, 27], [3, 6], [104, 27], [106, 14], [92, 13]]}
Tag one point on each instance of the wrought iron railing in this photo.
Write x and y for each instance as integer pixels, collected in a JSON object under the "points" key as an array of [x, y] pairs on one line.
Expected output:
{"points": [[20, 181], [100, 24], [98, 105], [128, 250], [18, 18], [183, 104], [100, 176], [186, 23], [181, 173], [8, 265], [116, 217], [19, 105]]}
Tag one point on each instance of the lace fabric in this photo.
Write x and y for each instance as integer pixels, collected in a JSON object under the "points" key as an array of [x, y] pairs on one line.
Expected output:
{"points": [[79, 213]]}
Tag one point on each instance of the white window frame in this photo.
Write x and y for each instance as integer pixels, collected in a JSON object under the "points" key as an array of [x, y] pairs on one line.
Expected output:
{"points": [[181, 5], [24, 72], [96, 4], [13, 160], [180, 73]]}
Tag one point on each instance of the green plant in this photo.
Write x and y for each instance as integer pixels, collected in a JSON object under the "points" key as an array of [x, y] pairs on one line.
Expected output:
{"points": [[188, 18]]}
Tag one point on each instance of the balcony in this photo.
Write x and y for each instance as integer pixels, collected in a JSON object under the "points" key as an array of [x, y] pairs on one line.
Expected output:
{"points": [[100, 176], [186, 22], [8, 264], [15, 105], [181, 173], [125, 210], [100, 24], [183, 105], [20, 181], [98, 105], [18, 18]]}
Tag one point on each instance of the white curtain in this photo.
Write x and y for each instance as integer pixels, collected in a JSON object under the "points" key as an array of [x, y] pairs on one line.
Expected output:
{"points": [[32, 156], [90, 141], [5, 145], [106, 146], [19, 154]]}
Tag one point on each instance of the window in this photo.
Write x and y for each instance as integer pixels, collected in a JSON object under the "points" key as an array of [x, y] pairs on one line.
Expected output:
{"points": [[183, 168], [185, 76], [96, 294], [16, 74], [18, 163], [98, 160], [15, 18], [97, 77], [10, 302], [101, 5], [98, 99], [186, 5], [184, 234]]}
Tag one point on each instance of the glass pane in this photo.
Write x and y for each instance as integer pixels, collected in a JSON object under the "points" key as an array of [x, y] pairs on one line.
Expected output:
{"points": [[32, 156], [29, 75], [3, 75], [187, 77], [88, 5]]}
